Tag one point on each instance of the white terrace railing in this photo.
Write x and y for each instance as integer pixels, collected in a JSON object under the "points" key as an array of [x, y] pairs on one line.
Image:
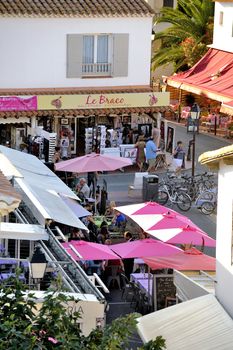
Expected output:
{"points": [[96, 69]]}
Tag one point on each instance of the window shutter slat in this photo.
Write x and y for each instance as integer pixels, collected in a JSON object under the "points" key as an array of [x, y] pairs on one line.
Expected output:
{"points": [[74, 55], [120, 55]]}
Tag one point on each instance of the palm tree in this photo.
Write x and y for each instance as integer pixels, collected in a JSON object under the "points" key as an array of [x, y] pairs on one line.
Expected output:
{"points": [[185, 41]]}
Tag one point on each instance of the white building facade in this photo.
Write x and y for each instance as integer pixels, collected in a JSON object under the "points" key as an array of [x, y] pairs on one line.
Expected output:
{"points": [[59, 59], [223, 26], [35, 51]]}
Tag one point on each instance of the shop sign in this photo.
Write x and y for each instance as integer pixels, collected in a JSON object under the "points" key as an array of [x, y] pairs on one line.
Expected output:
{"points": [[97, 101], [15, 103]]}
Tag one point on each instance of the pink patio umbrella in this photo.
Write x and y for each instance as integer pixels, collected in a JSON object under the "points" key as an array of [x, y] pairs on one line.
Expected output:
{"points": [[92, 162], [190, 235], [147, 208], [89, 251], [171, 221], [191, 259], [175, 229], [166, 224], [143, 248]]}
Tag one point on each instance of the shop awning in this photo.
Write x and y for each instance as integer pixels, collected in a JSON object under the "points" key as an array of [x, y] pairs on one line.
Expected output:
{"points": [[201, 323], [22, 231], [211, 76], [40, 188], [227, 108]]}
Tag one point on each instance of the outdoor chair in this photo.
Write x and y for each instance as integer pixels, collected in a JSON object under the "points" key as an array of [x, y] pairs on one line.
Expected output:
{"points": [[114, 276], [127, 287], [144, 304], [135, 302]]}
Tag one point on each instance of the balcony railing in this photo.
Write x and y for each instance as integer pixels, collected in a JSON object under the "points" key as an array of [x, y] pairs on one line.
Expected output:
{"points": [[96, 69]]}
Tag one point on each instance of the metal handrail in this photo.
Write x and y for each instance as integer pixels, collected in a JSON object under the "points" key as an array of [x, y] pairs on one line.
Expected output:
{"points": [[75, 278], [73, 267]]}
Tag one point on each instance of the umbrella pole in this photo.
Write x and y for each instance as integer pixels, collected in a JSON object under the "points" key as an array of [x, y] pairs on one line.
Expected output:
{"points": [[149, 282], [95, 204]]}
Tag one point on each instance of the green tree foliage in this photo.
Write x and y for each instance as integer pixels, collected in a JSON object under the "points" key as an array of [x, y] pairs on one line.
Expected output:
{"points": [[185, 41], [55, 325]]}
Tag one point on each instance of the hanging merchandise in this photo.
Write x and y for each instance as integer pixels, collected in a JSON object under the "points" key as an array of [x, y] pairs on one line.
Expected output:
{"points": [[95, 139]]}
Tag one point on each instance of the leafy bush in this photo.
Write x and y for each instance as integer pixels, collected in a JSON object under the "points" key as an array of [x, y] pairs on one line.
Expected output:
{"points": [[55, 325]]}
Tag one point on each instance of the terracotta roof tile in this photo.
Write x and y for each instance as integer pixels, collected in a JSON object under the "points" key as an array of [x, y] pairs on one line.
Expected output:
{"points": [[75, 8], [76, 90], [75, 112]]}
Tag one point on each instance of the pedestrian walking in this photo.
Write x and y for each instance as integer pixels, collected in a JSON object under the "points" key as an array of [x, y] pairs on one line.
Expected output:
{"points": [[140, 158], [179, 158], [151, 152]]}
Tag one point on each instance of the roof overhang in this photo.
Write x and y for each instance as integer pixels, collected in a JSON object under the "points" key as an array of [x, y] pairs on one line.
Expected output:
{"points": [[22, 231], [39, 188], [212, 158], [200, 323]]}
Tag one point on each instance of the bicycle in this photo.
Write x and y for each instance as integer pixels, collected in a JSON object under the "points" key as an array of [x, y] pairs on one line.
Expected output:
{"points": [[207, 201], [174, 196]]}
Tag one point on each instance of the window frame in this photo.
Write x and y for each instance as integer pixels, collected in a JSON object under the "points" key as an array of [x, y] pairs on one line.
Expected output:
{"points": [[95, 55]]}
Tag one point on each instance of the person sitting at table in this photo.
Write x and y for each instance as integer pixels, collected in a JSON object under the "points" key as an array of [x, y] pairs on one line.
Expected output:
{"points": [[108, 263], [82, 188], [110, 209], [103, 235], [93, 229], [76, 235], [119, 220], [93, 266]]}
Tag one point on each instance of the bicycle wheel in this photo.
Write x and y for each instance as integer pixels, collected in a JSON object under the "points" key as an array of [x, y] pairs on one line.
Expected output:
{"points": [[183, 201], [207, 208], [162, 197]]}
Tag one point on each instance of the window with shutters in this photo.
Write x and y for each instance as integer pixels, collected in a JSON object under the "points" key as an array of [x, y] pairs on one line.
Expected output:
{"points": [[104, 55], [97, 55]]}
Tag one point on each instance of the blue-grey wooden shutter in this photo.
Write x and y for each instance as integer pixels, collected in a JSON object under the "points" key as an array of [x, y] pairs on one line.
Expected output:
{"points": [[74, 55], [120, 55]]}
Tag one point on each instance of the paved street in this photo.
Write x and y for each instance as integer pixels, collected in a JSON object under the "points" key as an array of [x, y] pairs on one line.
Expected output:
{"points": [[119, 182]]}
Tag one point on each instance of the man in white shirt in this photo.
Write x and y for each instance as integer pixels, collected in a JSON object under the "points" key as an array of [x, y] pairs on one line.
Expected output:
{"points": [[83, 188]]}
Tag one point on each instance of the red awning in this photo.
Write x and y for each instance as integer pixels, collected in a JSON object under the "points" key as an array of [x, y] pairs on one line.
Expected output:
{"points": [[211, 76], [227, 107]]}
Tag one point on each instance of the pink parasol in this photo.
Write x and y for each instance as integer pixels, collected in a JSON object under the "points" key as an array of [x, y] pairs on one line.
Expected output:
{"points": [[89, 251], [191, 259], [92, 162], [152, 208], [147, 208], [143, 248], [171, 220], [166, 224], [190, 235]]}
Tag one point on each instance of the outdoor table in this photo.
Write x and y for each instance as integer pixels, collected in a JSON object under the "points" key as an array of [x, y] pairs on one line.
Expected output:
{"points": [[144, 285], [139, 276], [24, 264], [141, 279], [99, 219], [5, 276], [8, 262]]}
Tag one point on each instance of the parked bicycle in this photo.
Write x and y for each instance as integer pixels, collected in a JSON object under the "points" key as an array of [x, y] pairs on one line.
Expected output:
{"points": [[207, 201], [174, 195]]}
